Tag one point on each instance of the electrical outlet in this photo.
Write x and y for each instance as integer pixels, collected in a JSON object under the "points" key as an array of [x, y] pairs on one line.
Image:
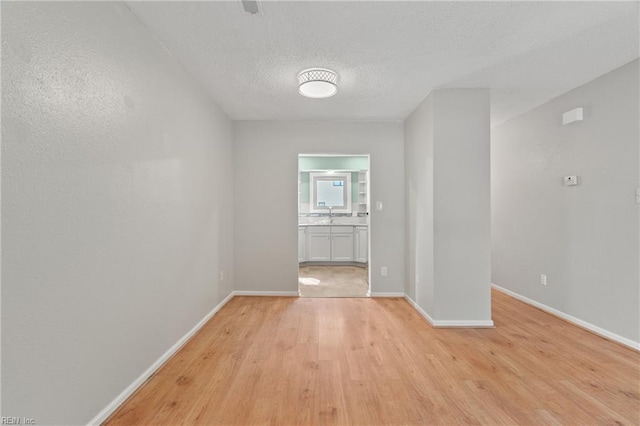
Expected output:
{"points": [[221, 275], [570, 180], [543, 279], [383, 271]]}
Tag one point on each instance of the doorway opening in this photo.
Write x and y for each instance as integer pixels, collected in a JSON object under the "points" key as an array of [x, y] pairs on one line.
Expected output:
{"points": [[333, 225]]}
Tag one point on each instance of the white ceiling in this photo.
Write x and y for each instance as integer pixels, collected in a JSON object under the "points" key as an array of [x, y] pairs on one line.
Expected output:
{"points": [[390, 55]]}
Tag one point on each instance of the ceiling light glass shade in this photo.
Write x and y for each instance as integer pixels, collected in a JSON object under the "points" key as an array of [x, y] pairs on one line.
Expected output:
{"points": [[318, 83]]}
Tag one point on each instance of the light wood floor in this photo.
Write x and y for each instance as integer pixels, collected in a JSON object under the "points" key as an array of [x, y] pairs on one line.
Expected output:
{"points": [[333, 281], [289, 361]]}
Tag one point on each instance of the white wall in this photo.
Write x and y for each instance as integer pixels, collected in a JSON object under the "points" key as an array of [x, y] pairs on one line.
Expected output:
{"points": [[447, 184], [584, 237], [265, 176], [116, 206]]}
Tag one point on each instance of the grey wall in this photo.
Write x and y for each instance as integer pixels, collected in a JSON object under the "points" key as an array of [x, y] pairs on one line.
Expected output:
{"points": [[419, 208], [265, 176], [447, 205], [462, 236], [116, 206], [584, 237]]}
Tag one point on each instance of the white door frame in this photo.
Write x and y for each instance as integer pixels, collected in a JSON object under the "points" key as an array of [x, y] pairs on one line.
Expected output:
{"points": [[369, 250]]}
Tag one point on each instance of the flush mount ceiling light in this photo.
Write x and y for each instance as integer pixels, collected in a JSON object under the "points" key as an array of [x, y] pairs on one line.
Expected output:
{"points": [[317, 83]]}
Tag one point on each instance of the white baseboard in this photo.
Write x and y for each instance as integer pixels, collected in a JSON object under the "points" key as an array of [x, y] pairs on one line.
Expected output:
{"points": [[449, 323], [387, 294], [265, 293], [463, 323], [113, 405], [573, 320], [419, 309]]}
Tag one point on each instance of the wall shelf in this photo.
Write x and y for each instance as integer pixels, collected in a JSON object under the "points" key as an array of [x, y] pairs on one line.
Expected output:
{"points": [[363, 191]]}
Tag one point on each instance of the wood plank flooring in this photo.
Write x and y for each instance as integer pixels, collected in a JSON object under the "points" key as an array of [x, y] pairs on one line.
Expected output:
{"points": [[298, 361]]}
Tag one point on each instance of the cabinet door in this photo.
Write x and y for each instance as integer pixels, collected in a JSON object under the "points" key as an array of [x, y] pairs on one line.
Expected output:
{"points": [[302, 244], [362, 245], [342, 247], [319, 247]]}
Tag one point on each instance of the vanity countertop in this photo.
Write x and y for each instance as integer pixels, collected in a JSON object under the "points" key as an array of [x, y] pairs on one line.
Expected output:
{"points": [[333, 224]]}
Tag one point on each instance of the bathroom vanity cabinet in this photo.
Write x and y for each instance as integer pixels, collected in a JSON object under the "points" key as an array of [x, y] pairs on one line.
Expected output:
{"points": [[333, 243]]}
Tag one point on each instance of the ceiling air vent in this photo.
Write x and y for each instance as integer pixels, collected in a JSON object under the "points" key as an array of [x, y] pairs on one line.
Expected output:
{"points": [[252, 7]]}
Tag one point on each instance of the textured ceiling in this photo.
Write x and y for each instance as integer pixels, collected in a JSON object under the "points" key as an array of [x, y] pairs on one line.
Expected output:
{"points": [[390, 55]]}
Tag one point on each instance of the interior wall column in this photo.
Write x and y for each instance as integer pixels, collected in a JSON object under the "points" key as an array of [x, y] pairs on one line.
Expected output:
{"points": [[461, 203], [447, 147]]}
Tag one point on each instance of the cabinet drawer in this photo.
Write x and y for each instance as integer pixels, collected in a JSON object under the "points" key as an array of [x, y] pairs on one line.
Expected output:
{"points": [[318, 230], [342, 229]]}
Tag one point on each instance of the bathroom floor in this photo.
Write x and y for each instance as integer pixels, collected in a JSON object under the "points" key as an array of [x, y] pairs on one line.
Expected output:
{"points": [[333, 281]]}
